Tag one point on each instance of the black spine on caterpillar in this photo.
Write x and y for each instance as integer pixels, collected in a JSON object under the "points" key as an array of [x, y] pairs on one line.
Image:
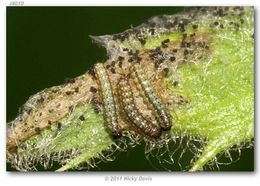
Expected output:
{"points": [[162, 114], [145, 124], [109, 104]]}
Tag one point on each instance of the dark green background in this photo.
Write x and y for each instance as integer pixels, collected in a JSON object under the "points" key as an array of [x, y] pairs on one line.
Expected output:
{"points": [[47, 44]]}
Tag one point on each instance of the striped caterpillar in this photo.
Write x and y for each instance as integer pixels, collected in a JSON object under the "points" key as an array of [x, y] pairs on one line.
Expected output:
{"points": [[162, 114], [145, 124], [109, 104]]}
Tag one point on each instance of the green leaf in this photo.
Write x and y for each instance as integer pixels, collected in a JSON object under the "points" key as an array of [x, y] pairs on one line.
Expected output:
{"points": [[219, 88]]}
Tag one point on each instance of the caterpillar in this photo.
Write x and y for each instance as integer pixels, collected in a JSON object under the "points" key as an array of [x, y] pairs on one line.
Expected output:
{"points": [[108, 101], [145, 124], [161, 113]]}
